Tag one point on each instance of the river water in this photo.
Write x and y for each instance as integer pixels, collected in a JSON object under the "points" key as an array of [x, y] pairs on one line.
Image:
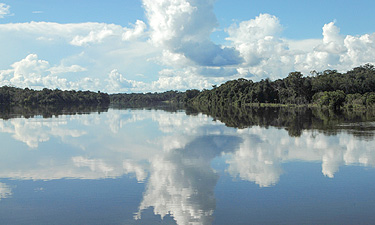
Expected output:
{"points": [[135, 166]]}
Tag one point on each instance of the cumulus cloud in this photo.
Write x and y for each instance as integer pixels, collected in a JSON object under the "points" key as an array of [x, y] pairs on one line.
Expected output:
{"points": [[36, 73], [268, 54], [258, 40], [118, 83], [85, 49], [4, 10], [337, 51], [137, 31], [184, 27], [183, 79], [333, 42]]}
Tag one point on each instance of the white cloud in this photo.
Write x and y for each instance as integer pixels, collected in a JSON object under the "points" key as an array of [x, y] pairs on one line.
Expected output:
{"points": [[35, 73], [174, 60], [267, 54], [337, 52], [333, 42], [96, 36], [67, 69], [4, 10], [360, 49], [187, 78], [169, 79], [259, 43], [78, 34], [257, 39], [82, 53], [118, 83], [184, 27], [136, 32]]}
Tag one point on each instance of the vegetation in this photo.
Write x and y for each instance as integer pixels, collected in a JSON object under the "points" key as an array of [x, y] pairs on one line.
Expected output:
{"points": [[29, 97], [331, 89], [145, 100]]}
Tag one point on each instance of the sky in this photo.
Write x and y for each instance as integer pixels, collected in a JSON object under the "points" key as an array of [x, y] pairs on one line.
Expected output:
{"points": [[158, 45]]}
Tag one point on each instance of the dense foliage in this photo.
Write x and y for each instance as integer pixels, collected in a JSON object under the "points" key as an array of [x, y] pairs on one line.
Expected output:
{"points": [[329, 88], [18, 96], [152, 99]]}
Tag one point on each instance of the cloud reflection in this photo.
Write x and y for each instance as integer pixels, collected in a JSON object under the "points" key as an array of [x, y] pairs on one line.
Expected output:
{"points": [[256, 161], [182, 181], [116, 147], [5, 191], [36, 130], [171, 152]]}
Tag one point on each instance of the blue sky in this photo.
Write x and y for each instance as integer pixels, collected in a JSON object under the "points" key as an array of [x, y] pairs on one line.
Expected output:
{"points": [[144, 45]]}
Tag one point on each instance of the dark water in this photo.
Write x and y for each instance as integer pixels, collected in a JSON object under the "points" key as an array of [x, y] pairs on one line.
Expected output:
{"points": [[184, 167]]}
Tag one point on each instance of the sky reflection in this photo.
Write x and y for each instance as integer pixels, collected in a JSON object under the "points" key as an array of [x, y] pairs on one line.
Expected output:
{"points": [[171, 152]]}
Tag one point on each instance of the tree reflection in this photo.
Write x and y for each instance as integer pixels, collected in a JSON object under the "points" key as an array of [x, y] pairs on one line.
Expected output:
{"points": [[294, 120], [48, 111]]}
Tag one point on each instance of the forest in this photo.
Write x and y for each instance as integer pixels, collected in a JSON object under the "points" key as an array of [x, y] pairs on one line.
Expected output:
{"points": [[30, 97], [146, 99], [355, 88]]}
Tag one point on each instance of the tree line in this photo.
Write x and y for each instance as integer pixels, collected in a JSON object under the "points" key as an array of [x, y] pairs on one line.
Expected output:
{"points": [[146, 99], [17, 96], [330, 88]]}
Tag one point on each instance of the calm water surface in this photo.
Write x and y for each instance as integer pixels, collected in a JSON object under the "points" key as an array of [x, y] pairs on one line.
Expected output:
{"points": [[158, 167]]}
